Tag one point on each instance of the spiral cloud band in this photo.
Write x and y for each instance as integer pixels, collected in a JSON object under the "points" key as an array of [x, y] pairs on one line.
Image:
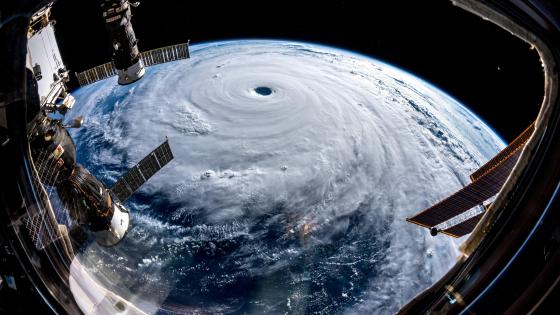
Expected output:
{"points": [[295, 166]]}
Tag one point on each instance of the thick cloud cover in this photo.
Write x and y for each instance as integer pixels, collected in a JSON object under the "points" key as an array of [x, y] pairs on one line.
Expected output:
{"points": [[288, 202]]}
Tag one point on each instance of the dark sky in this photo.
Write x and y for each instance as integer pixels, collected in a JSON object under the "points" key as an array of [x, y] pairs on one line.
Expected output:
{"points": [[495, 74]]}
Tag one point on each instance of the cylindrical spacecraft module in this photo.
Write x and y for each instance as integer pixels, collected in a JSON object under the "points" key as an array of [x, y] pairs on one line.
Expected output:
{"points": [[126, 56], [91, 205]]}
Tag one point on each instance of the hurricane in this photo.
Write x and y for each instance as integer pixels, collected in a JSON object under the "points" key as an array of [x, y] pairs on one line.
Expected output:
{"points": [[295, 167]]}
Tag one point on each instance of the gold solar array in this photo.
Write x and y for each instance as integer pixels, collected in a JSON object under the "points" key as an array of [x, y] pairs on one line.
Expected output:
{"points": [[487, 181]]}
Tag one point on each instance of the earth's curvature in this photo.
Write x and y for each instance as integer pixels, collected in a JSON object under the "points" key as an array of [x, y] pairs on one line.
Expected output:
{"points": [[295, 167]]}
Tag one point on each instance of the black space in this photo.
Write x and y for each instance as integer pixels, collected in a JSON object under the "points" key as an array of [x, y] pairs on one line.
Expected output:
{"points": [[493, 73]]}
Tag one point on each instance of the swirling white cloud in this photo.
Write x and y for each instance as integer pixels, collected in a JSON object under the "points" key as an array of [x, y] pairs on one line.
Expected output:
{"points": [[344, 148]]}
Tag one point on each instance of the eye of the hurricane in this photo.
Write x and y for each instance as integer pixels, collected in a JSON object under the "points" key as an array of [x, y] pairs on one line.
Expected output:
{"points": [[263, 90]]}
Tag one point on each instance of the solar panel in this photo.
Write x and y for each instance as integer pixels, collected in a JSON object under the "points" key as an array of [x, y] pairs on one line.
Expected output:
{"points": [[464, 227], [149, 58], [141, 172], [513, 146], [472, 195]]}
